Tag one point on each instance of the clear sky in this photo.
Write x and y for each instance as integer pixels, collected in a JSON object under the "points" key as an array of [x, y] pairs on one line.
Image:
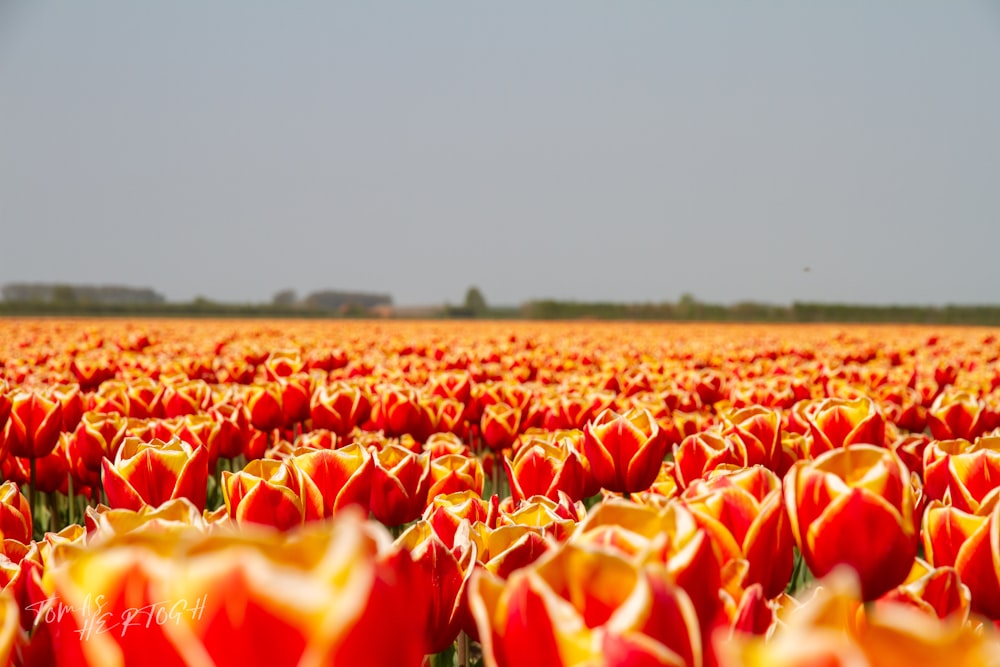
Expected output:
{"points": [[574, 149]]}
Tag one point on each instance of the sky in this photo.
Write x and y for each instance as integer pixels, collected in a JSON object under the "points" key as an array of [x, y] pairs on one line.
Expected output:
{"points": [[571, 149]]}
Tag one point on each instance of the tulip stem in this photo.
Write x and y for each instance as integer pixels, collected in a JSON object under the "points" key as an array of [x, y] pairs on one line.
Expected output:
{"points": [[463, 649], [496, 475], [71, 504], [52, 500], [31, 489], [801, 575]]}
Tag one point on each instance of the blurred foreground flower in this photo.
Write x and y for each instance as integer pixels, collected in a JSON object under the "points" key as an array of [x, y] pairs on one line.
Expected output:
{"points": [[832, 627], [318, 596], [582, 605]]}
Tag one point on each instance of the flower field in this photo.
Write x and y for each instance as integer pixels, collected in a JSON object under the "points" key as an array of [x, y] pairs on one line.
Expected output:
{"points": [[510, 494]]}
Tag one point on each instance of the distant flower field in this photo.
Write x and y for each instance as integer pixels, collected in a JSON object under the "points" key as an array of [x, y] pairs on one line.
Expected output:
{"points": [[306, 493]]}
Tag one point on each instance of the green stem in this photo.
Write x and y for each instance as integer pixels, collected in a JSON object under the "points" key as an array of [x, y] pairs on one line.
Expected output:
{"points": [[445, 658], [496, 474], [71, 504], [463, 649], [31, 490], [52, 502]]}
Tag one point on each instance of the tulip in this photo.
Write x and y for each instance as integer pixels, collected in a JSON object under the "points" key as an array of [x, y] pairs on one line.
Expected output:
{"points": [[263, 404], [443, 444], [176, 516], [114, 397], [98, 437], [296, 392], [446, 513], [839, 422], [400, 482], [71, 401], [625, 450], [50, 472], [145, 398], [283, 364], [34, 424], [759, 429], [339, 407], [319, 439], [541, 468], [743, 509], [270, 492], [710, 387], [321, 596], [233, 432], [234, 369], [500, 424], [902, 405], [938, 592], [454, 473], [700, 453], [902, 635], [663, 488], [505, 549], [5, 405], [553, 518], [832, 628], [750, 614], [451, 384], [9, 616], [400, 411], [910, 448], [92, 370], [187, 397], [582, 605], [957, 414], [488, 393], [967, 542], [574, 411], [340, 477], [855, 506], [446, 572], [961, 471], [15, 514], [151, 473], [447, 414], [669, 535]]}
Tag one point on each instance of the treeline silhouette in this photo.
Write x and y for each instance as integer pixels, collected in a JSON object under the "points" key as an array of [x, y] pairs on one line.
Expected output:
{"points": [[686, 309], [196, 308], [692, 310]]}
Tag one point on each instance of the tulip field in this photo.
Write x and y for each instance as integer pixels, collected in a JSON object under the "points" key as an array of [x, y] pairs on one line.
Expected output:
{"points": [[507, 494]]}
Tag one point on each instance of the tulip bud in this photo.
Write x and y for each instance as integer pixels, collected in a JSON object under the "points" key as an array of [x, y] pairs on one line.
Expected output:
{"points": [[625, 450], [855, 506], [34, 424]]}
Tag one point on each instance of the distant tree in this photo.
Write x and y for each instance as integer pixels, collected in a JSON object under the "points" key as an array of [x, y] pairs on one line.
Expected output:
{"points": [[286, 298], [354, 310], [64, 294], [687, 306], [475, 302]]}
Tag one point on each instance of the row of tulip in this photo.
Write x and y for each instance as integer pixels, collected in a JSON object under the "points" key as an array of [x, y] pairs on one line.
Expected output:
{"points": [[53, 429], [623, 584], [718, 478]]}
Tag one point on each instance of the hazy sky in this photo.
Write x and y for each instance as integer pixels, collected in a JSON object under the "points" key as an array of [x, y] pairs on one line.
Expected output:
{"points": [[590, 150]]}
